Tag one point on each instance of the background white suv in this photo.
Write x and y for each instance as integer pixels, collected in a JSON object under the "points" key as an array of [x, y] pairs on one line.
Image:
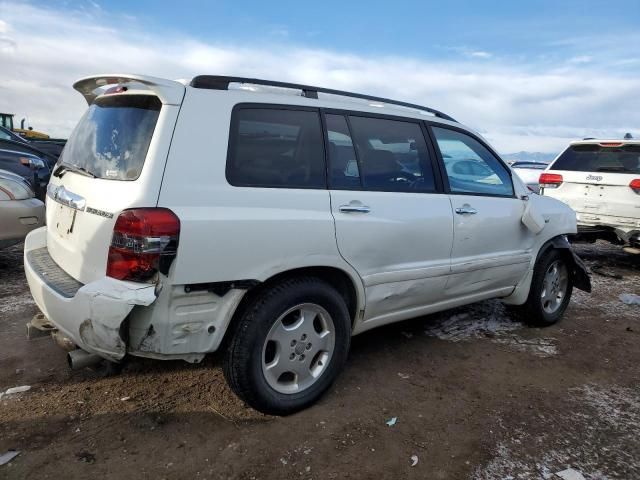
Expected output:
{"points": [[275, 222], [600, 180]]}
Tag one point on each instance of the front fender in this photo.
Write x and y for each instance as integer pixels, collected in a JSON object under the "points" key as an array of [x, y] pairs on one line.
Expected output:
{"points": [[579, 272]]}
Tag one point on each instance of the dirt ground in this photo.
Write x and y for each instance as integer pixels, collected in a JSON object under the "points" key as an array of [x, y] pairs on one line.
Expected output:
{"points": [[476, 396]]}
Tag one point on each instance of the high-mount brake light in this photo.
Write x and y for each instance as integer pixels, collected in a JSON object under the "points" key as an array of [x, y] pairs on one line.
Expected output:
{"points": [[611, 144], [550, 180], [116, 89], [144, 241], [635, 185]]}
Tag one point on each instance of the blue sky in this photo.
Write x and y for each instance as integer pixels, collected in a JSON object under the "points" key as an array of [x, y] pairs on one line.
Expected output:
{"points": [[528, 75], [535, 30]]}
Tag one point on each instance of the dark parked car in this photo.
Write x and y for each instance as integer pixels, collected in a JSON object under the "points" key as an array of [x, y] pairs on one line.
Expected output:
{"points": [[34, 169], [48, 150]]}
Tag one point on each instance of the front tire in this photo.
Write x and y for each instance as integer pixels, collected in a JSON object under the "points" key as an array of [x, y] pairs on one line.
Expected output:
{"points": [[550, 291], [289, 345]]}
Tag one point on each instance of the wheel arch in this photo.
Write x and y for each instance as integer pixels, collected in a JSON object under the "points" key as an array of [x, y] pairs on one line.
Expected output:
{"points": [[350, 288], [579, 273]]}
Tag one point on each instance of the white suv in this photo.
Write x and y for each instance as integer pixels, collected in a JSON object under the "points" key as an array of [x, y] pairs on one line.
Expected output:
{"points": [[600, 180], [274, 221]]}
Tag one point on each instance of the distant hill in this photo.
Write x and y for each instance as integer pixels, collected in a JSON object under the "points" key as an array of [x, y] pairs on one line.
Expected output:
{"points": [[529, 156]]}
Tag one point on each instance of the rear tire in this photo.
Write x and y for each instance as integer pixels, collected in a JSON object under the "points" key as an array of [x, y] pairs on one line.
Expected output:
{"points": [[550, 291], [289, 345]]}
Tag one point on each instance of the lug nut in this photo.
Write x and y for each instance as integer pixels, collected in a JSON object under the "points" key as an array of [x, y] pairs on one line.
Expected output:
{"points": [[304, 337], [309, 346], [292, 356], [293, 343], [302, 357]]}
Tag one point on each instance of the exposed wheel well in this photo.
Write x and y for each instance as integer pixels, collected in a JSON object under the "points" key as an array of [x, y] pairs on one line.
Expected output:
{"points": [[333, 276], [556, 243], [579, 272]]}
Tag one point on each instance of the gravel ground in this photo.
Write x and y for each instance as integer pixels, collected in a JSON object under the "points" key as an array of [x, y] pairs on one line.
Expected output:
{"points": [[476, 396]]}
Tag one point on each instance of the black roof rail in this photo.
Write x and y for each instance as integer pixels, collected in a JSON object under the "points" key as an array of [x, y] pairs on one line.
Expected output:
{"points": [[219, 82]]}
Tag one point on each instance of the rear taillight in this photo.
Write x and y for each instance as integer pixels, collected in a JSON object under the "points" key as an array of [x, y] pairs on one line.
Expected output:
{"points": [[550, 180], [635, 185], [145, 241]]}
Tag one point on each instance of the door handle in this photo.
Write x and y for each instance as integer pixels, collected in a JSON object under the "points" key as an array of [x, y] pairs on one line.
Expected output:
{"points": [[466, 210], [354, 209]]}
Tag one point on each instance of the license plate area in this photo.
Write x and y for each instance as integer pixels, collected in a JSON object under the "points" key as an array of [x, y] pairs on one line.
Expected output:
{"points": [[64, 220], [593, 198]]}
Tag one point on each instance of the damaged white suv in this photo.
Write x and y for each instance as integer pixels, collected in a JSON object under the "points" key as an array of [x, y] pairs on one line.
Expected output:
{"points": [[275, 221]]}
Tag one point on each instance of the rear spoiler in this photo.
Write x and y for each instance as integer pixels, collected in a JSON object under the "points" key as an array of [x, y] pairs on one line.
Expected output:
{"points": [[169, 91]]}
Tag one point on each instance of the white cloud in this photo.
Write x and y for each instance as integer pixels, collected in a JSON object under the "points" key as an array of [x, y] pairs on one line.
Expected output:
{"points": [[581, 59], [514, 105], [480, 54]]}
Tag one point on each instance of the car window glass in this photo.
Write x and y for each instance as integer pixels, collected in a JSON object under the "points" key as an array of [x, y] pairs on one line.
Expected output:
{"points": [[276, 148], [392, 155], [598, 158], [471, 167], [343, 166], [112, 138]]}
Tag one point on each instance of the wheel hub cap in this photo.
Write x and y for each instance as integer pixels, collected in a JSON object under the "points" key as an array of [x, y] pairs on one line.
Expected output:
{"points": [[298, 348], [554, 286]]}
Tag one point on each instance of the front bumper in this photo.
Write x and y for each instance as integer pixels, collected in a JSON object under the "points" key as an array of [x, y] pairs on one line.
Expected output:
{"points": [[91, 314]]}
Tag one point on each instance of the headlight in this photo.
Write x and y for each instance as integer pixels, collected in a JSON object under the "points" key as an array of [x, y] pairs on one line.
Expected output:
{"points": [[14, 190], [32, 162]]}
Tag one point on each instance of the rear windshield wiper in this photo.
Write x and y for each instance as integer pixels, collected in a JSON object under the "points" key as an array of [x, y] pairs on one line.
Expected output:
{"points": [[63, 168]]}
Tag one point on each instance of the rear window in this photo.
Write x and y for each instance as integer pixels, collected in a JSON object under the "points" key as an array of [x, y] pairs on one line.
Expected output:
{"points": [[276, 148], [112, 138], [595, 158]]}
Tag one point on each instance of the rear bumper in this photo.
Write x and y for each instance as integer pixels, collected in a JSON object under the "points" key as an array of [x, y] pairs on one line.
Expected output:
{"points": [[91, 314], [19, 217], [609, 232], [623, 224]]}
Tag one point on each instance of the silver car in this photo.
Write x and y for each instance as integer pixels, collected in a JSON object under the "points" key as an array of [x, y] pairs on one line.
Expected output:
{"points": [[20, 211]]}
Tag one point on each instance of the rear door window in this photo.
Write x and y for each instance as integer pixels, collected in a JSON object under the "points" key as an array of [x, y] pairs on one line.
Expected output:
{"points": [[392, 155], [277, 148], [343, 165], [596, 158], [470, 166], [112, 138]]}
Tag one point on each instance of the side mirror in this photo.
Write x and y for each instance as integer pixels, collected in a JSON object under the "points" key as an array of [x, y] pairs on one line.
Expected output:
{"points": [[532, 219], [32, 162]]}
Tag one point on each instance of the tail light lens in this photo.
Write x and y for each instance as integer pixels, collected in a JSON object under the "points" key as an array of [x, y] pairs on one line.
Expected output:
{"points": [[550, 180], [635, 185], [145, 241]]}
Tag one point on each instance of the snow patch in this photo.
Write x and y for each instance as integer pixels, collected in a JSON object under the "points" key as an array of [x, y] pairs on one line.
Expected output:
{"points": [[610, 415], [16, 303], [488, 320]]}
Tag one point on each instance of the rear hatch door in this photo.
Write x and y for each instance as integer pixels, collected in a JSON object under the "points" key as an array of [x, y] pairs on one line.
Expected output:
{"points": [[596, 179], [113, 160]]}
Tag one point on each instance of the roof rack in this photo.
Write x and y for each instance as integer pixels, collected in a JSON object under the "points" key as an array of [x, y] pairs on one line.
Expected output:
{"points": [[219, 82]]}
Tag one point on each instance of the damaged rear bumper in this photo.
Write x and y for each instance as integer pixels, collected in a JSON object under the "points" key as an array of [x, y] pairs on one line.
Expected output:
{"points": [[91, 314]]}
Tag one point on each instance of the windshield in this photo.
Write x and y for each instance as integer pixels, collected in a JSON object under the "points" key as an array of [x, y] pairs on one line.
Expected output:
{"points": [[112, 138], [595, 158]]}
